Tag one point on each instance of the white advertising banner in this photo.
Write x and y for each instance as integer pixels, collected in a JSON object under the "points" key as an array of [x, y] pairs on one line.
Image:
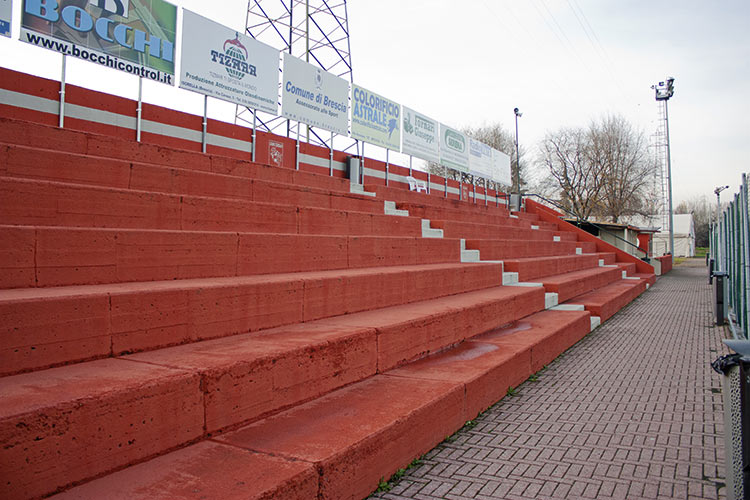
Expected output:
{"points": [[313, 96], [375, 119], [421, 136], [224, 64], [480, 159], [454, 149], [501, 168], [6, 10]]}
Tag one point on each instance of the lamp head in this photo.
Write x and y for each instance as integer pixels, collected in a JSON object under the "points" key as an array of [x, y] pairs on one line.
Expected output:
{"points": [[518, 113]]}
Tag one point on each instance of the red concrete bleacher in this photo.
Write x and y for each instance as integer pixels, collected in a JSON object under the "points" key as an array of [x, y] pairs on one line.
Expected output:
{"points": [[256, 331]]}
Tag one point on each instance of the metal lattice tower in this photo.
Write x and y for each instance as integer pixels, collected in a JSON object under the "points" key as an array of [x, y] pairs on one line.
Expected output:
{"points": [[316, 31], [660, 145]]}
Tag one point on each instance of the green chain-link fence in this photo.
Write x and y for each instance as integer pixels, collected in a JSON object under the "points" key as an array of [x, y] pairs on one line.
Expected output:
{"points": [[730, 251]]}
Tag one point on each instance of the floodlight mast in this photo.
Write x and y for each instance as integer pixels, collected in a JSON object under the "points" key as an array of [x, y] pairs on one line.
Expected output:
{"points": [[664, 91]]}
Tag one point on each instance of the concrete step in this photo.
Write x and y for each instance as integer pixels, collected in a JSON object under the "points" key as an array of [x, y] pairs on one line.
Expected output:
{"points": [[61, 166], [98, 416], [390, 209], [33, 256], [46, 327], [627, 268], [45, 203], [430, 232], [508, 249], [407, 199], [605, 301], [475, 230], [575, 283], [459, 214], [532, 268], [407, 411], [108, 149]]}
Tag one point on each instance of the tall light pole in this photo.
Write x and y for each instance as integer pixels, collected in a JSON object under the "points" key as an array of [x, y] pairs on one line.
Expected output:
{"points": [[518, 158], [717, 192], [663, 92], [717, 251]]}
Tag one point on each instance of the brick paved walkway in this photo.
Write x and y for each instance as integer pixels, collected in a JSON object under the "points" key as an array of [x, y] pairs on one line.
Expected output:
{"points": [[632, 411]]}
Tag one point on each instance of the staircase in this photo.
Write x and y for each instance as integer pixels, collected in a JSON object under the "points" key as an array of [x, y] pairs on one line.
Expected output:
{"points": [[183, 325]]}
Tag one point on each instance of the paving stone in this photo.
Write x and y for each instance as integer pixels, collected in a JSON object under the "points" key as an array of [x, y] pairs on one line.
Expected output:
{"points": [[632, 411]]}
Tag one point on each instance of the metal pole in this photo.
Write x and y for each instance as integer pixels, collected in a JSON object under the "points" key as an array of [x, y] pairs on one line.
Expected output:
{"points": [[387, 160], [410, 160], [717, 250], [669, 183], [746, 232], [255, 135], [428, 182], [61, 121], [205, 123], [330, 162], [296, 159], [139, 110]]}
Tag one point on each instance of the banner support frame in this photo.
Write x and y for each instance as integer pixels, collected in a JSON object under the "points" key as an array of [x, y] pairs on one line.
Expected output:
{"points": [[139, 110], [330, 160], [61, 119], [296, 156], [204, 138], [387, 161], [255, 135]]}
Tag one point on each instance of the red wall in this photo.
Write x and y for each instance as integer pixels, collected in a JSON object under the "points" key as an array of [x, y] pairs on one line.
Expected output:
{"points": [[125, 112]]}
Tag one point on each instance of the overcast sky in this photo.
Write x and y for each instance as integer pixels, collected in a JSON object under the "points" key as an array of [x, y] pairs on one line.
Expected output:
{"points": [[562, 62]]}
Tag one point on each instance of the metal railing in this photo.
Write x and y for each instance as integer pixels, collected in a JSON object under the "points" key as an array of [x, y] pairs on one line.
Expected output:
{"points": [[730, 251], [643, 255]]}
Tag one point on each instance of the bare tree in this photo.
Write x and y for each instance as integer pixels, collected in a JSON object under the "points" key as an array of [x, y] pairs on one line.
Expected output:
{"points": [[603, 170], [620, 156], [702, 214], [566, 155]]}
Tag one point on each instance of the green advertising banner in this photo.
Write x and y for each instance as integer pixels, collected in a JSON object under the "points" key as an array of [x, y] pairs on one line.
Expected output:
{"points": [[375, 119], [135, 36], [454, 149]]}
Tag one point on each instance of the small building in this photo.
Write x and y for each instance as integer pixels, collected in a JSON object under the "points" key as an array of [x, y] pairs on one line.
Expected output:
{"points": [[634, 240], [684, 237]]}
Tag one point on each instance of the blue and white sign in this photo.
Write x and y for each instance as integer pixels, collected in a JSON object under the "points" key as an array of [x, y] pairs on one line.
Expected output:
{"points": [[480, 159], [6, 11], [313, 96], [454, 149], [225, 64], [421, 136], [375, 119]]}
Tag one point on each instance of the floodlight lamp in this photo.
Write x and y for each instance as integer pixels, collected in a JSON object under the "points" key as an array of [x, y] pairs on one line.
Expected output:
{"points": [[518, 113]]}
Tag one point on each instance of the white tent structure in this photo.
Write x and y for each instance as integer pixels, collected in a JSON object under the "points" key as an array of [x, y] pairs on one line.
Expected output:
{"points": [[684, 237]]}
